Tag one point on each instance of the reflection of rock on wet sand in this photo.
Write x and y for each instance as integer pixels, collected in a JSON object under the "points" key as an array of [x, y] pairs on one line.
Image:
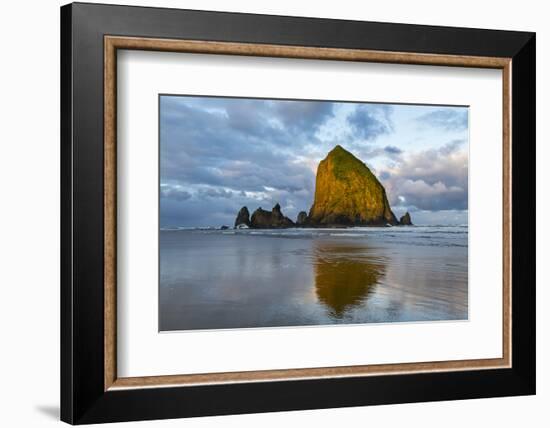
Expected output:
{"points": [[345, 274]]}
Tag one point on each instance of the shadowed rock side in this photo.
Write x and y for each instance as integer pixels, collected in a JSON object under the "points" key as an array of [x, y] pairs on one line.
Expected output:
{"points": [[243, 217], [301, 220], [274, 219], [348, 194], [405, 220]]}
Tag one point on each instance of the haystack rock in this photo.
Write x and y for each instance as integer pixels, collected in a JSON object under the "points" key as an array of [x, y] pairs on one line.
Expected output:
{"points": [[405, 220], [301, 219], [348, 194], [274, 219], [243, 217]]}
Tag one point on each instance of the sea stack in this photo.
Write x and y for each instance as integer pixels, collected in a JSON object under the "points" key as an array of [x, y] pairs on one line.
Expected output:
{"points": [[301, 220], [405, 220], [243, 218], [348, 194], [274, 219]]}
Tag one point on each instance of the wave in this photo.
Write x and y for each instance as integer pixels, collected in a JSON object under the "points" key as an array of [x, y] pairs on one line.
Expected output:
{"points": [[440, 236]]}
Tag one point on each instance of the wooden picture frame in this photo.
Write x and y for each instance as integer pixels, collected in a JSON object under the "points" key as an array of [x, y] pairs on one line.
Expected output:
{"points": [[91, 390]]}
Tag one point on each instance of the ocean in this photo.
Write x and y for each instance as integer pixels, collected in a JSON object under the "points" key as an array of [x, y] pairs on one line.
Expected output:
{"points": [[226, 279]]}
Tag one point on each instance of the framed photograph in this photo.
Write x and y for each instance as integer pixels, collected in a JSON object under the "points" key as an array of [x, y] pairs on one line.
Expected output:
{"points": [[265, 213]]}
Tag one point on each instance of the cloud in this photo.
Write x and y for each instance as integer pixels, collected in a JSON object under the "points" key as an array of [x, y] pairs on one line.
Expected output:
{"points": [[449, 119], [238, 149], [435, 179], [175, 192], [214, 193], [303, 116], [369, 121], [392, 150], [426, 217], [436, 196], [219, 154]]}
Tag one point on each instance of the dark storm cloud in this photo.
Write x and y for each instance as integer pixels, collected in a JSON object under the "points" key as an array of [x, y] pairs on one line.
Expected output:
{"points": [[435, 179], [449, 119], [371, 121], [239, 149], [303, 116], [219, 154]]}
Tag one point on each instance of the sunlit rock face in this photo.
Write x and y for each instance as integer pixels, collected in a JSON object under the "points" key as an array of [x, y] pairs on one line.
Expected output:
{"points": [[348, 194]]}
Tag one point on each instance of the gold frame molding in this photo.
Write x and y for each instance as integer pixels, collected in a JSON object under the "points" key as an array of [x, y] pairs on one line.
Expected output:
{"points": [[113, 43]]}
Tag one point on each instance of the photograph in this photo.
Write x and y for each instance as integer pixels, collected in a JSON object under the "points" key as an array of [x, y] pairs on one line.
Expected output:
{"points": [[258, 210], [288, 212]]}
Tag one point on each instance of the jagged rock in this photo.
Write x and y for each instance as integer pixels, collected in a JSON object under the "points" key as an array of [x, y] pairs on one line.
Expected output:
{"points": [[274, 219], [348, 194], [405, 220], [243, 217], [301, 219], [224, 227]]}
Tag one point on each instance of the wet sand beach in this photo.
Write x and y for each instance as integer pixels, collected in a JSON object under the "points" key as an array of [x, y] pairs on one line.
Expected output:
{"points": [[219, 279]]}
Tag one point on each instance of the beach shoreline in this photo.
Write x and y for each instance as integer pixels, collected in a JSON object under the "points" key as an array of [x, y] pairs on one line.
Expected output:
{"points": [[244, 278]]}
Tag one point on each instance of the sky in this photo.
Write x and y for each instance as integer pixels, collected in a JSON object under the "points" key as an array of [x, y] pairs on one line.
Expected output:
{"points": [[220, 154]]}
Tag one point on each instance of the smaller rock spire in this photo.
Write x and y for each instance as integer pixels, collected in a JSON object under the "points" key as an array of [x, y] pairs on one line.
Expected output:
{"points": [[243, 217], [405, 220]]}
